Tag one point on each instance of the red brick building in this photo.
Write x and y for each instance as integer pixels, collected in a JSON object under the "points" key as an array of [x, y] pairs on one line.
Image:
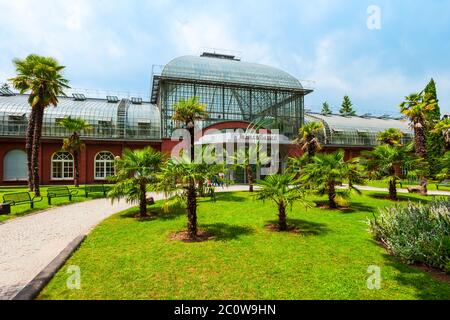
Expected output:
{"points": [[238, 95]]}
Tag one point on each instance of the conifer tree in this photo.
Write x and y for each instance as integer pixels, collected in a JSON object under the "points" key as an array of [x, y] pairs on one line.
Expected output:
{"points": [[347, 108], [435, 143], [326, 110]]}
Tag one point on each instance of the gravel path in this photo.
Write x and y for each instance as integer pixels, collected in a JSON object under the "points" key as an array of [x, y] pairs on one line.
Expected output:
{"points": [[430, 192], [29, 244]]}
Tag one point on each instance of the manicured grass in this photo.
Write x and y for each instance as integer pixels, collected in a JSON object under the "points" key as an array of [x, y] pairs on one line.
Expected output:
{"points": [[22, 210], [128, 259]]}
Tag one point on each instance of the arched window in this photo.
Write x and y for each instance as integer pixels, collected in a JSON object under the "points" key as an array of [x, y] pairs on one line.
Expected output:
{"points": [[15, 166], [62, 166], [104, 165]]}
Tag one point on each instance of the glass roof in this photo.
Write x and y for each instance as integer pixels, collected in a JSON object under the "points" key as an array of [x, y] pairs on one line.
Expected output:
{"points": [[229, 71], [140, 121], [356, 131], [360, 124]]}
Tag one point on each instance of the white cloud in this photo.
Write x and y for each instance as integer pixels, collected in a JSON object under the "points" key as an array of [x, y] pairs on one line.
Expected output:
{"points": [[74, 15]]}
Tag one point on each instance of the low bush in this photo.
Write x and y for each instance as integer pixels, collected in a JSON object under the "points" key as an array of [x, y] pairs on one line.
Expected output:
{"points": [[416, 233]]}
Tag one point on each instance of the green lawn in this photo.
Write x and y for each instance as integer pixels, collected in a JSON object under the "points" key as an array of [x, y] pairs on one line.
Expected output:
{"points": [[22, 210], [128, 259]]}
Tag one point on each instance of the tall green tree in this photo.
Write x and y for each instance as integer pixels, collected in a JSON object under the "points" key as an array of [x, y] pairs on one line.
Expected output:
{"points": [[308, 138], [416, 108], [188, 112], [43, 78], [392, 137], [329, 170], [347, 107], [326, 110], [136, 172], [74, 144], [386, 161], [284, 190], [444, 166], [434, 141], [186, 176], [443, 128]]}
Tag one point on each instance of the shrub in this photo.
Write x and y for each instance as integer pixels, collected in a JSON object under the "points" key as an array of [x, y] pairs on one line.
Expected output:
{"points": [[416, 233]]}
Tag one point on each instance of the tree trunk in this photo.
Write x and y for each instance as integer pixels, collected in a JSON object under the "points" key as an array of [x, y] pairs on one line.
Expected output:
{"points": [[282, 216], [142, 200], [192, 210], [332, 195], [36, 148], [201, 188], [192, 136], [311, 148], [421, 151], [250, 178], [76, 179], [393, 190], [29, 148]]}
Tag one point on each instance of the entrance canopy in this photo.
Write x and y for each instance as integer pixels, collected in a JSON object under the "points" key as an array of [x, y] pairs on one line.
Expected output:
{"points": [[241, 137]]}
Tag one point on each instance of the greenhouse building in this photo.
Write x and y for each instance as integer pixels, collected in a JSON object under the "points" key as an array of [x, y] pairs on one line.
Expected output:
{"points": [[238, 95]]}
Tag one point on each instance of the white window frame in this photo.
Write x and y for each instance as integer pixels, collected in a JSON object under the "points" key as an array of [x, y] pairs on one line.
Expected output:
{"points": [[104, 162], [63, 161]]}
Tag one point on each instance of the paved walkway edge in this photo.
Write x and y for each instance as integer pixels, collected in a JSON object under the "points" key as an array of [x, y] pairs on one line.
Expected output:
{"points": [[35, 286]]}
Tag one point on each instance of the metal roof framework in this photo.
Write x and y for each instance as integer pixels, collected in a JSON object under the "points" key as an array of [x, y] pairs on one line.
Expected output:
{"points": [[232, 90], [121, 120], [340, 131]]}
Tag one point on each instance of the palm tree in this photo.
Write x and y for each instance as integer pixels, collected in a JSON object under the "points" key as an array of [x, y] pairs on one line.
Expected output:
{"points": [[327, 171], [385, 162], [308, 140], [443, 127], [416, 108], [189, 111], [247, 158], [74, 144], [182, 174], [392, 137], [135, 170], [284, 190], [43, 78]]}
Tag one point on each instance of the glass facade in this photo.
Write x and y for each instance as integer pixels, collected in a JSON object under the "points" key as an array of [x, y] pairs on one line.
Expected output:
{"points": [[343, 131], [276, 109], [233, 91], [121, 120]]}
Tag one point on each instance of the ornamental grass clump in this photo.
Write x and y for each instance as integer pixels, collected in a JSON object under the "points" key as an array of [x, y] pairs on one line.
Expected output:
{"points": [[416, 233]]}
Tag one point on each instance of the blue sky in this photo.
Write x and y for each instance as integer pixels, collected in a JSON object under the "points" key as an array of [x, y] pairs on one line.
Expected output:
{"points": [[113, 44]]}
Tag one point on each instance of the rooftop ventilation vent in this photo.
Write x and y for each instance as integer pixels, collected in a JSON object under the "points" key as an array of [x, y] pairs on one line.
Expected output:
{"points": [[6, 92], [136, 100], [112, 99], [219, 56], [79, 97]]}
